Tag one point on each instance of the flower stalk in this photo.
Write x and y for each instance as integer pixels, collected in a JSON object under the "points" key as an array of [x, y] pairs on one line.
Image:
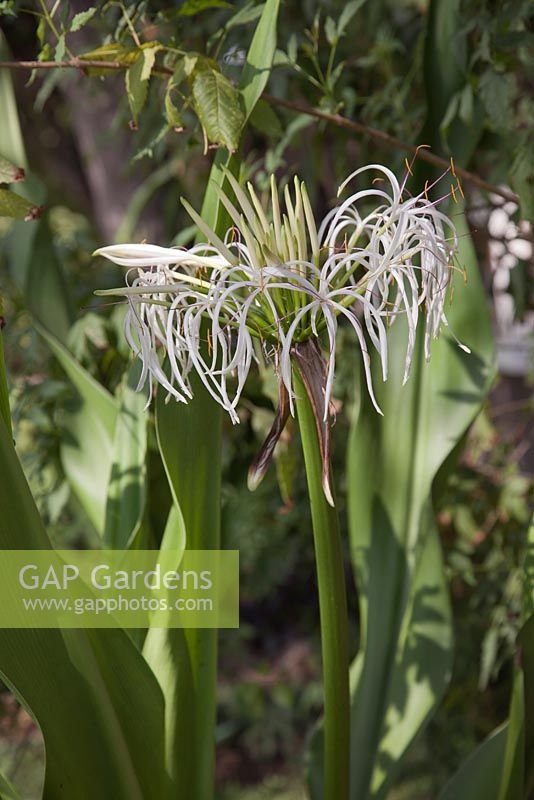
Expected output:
{"points": [[332, 606]]}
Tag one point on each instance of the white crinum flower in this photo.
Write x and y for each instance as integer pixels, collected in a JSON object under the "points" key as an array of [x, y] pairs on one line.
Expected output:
{"points": [[278, 284]]}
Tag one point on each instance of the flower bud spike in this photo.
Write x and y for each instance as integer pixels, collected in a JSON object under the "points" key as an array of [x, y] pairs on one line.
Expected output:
{"points": [[277, 222], [258, 208]]}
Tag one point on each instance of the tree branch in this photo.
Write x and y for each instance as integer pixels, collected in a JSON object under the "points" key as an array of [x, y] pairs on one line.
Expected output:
{"points": [[83, 64], [392, 141]]}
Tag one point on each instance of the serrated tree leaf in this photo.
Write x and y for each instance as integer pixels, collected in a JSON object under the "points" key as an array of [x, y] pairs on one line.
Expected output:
{"points": [[16, 207], [9, 173], [217, 105]]}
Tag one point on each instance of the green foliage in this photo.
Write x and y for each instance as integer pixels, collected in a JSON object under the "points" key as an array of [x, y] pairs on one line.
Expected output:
{"points": [[216, 103], [95, 672]]}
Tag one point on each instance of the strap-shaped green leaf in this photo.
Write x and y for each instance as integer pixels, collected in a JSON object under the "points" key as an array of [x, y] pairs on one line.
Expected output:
{"points": [[405, 658], [94, 697]]}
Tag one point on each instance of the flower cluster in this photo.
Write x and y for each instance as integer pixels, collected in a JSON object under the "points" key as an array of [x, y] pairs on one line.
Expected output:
{"points": [[278, 280]]}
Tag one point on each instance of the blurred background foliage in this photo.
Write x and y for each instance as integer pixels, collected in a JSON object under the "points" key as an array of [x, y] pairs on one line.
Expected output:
{"points": [[109, 159]]}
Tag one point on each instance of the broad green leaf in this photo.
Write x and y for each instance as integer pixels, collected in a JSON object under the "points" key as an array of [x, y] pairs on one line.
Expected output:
{"points": [[137, 78], [9, 173], [191, 7], [126, 496], [189, 443], [101, 711], [17, 207], [81, 19], [216, 103], [87, 450], [479, 776], [404, 662], [167, 654]]}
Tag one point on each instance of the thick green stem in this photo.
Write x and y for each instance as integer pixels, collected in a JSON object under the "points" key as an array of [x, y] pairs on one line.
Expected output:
{"points": [[333, 610]]}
